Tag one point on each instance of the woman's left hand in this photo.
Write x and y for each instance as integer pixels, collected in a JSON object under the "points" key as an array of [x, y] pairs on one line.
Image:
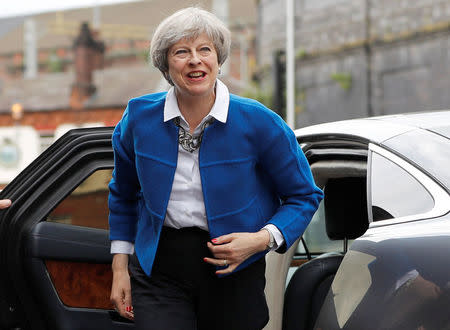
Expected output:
{"points": [[233, 249]]}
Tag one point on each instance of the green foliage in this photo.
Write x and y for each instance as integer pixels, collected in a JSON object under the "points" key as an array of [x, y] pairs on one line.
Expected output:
{"points": [[301, 53], [54, 63], [256, 93], [140, 54], [143, 55], [343, 79]]}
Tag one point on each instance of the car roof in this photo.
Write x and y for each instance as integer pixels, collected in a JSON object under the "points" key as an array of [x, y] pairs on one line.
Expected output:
{"points": [[380, 129], [423, 139]]}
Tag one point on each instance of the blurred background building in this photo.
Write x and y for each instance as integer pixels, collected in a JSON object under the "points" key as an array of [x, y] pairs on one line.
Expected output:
{"points": [[357, 58], [79, 67], [354, 58]]}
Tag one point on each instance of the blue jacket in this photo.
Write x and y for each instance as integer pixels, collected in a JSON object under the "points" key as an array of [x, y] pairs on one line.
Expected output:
{"points": [[252, 169]]}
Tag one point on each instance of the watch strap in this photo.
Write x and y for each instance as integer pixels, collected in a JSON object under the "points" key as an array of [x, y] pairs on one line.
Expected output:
{"points": [[271, 243]]}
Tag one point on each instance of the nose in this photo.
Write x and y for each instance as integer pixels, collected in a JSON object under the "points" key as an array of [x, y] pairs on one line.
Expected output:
{"points": [[194, 59]]}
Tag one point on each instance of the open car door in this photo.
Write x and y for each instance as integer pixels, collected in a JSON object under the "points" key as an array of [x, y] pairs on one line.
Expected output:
{"points": [[54, 246]]}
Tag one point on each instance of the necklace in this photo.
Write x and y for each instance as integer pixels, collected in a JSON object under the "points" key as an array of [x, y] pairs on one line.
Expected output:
{"points": [[188, 141]]}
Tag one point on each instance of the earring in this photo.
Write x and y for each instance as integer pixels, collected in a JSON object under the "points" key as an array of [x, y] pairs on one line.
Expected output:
{"points": [[220, 70]]}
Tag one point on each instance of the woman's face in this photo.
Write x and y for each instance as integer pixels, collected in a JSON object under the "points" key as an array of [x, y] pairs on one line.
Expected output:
{"points": [[193, 66]]}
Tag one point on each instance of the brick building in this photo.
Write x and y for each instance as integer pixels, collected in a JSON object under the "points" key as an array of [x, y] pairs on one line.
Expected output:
{"points": [[357, 58], [85, 76], [90, 93], [122, 70], [125, 29]]}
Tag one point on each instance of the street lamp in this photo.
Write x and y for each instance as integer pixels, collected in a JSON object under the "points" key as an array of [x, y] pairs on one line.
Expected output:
{"points": [[17, 115], [17, 112], [290, 64]]}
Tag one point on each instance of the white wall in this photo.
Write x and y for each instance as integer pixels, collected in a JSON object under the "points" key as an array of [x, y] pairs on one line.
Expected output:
{"points": [[19, 146]]}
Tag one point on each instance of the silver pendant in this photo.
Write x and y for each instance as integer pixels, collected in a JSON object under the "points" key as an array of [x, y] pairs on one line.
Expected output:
{"points": [[187, 141]]}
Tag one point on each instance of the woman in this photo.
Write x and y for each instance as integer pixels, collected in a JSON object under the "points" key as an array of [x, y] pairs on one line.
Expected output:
{"points": [[205, 183]]}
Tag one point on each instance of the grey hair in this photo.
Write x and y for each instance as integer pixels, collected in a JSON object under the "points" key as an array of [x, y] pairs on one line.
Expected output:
{"points": [[188, 23]]}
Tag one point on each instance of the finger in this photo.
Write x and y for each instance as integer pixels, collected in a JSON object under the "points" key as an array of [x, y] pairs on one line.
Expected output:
{"points": [[227, 270], [219, 251], [126, 314], [120, 308], [125, 311], [118, 302], [130, 315], [223, 239], [217, 262], [127, 301], [5, 203]]}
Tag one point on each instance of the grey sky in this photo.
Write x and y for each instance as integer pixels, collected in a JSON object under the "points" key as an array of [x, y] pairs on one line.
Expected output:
{"points": [[10, 8]]}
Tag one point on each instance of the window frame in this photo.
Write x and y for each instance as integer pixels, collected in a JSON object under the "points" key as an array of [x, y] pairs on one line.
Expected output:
{"points": [[439, 194], [105, 225], [326, 148]]}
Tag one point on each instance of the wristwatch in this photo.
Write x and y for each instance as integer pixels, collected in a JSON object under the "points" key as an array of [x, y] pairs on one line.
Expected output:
{"points": [[271, 243]]}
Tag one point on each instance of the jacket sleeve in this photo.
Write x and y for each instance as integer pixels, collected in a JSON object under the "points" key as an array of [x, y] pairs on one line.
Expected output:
{"points": [[124, 186], [282, 159]]}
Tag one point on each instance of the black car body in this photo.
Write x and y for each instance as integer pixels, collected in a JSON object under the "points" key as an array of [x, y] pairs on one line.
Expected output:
{"points": [[387, 196], [386, 184]]}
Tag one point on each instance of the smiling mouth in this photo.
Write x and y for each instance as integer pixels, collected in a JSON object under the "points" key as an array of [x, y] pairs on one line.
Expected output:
{"points": [[196, 74]]}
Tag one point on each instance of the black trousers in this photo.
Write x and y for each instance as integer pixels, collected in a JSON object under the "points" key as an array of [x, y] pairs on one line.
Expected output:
{"points": [[183, 292]]}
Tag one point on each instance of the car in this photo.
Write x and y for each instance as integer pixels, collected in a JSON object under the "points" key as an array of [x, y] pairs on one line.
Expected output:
{"points": [[375, 256], [386, 183]]}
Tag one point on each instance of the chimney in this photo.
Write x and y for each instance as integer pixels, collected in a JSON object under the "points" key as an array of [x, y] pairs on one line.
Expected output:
{"points": [[88, 57], [99, 61]]}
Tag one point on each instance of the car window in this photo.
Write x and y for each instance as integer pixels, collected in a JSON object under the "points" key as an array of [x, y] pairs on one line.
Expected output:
{"points": [[316, 238], [395, 193], [87, 205]]}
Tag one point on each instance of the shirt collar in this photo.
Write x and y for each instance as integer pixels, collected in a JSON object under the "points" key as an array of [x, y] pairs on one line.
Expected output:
{"points": [[219, 110]]}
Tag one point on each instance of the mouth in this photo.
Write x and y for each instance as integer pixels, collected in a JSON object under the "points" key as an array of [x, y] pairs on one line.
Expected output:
{"points": [[196, 74]]}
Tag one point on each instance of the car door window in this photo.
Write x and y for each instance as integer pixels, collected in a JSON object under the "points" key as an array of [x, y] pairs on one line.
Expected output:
{"points": [[395, 193], [87, 205], [348, 177], [316, 238]]}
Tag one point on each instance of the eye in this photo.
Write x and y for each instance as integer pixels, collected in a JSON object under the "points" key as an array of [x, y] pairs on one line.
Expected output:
{"points": [[180, 51], [205, 49]]}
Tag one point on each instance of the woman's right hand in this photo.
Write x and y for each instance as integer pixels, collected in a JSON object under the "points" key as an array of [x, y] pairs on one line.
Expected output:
{"points": [[121, 287]]}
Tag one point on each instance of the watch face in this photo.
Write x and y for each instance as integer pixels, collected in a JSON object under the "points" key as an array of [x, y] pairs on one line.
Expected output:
{"points": [[271, 243], [9, 153]]}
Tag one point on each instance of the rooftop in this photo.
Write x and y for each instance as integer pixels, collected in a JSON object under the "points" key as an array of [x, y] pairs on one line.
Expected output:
{"points": [[115, 86]]}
